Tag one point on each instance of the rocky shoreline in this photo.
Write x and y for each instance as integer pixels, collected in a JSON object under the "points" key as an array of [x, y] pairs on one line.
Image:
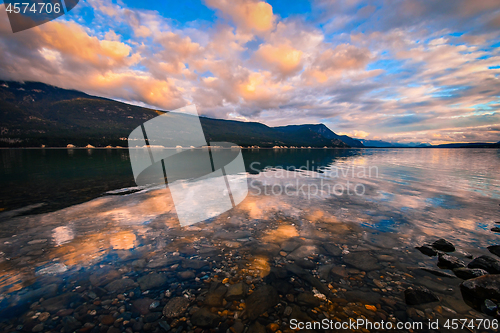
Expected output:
{"points": [[231, 282]]}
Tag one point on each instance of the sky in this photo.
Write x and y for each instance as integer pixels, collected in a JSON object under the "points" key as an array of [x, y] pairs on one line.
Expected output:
{"points": [[393, 70]]}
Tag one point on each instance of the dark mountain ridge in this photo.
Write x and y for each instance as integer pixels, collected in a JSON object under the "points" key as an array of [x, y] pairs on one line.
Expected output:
{"points": [[322, 130], [33, 114]]}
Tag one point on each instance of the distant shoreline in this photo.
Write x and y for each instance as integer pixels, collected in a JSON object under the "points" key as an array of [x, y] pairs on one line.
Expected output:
{"points": [[250, 148]]}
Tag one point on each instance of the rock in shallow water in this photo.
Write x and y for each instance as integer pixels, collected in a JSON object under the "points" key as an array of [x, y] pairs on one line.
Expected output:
{"points": [[142, 305], [60, 302], [476, 291], [361, 261], [469, 273], [120, 286], [308, 299], [204, 318], [495, 249], [443, 245], [215, 295], [151, 281], [261, 300], [449, 262], [489, 264], [236, 292], [428, 250], [332, 249], [186, 275], [176, 307], [304, 251], [419, 295]]}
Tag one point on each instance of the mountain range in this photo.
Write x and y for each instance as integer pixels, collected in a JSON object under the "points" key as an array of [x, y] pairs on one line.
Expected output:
{"points": [[33, 114]]}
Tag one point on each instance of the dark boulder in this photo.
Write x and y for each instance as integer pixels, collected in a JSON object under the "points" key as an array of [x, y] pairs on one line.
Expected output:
{"points": [[419, 295], [476, 291], [489, 264], [449, 262], [443, 245], [495, 249]]}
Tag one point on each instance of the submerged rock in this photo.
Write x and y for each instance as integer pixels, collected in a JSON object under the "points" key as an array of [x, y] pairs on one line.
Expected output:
{"points": [[476, 291], [120, 286], [419, 295], [194, 263], [186, 275], [362, 261], [304, 251], [469, 273], [163, 262], [101, 278], [236, 292], [176, 307], [308, 299], [489, 264], [443, 245], [309, 278], [332, 249], [151, 281], [304, 263], [204, 318], [216, 295], [63, 301], [261, 300], [142, 305]]}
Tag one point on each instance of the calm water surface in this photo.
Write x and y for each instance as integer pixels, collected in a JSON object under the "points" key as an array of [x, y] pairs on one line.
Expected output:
{"points": [[359, 213]]}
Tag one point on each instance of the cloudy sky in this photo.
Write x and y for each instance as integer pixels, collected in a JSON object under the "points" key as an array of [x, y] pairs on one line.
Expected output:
{"points": [[396, 70]]}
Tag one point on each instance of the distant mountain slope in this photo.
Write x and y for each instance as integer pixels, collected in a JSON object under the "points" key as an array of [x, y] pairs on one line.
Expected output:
{"points": [[468, 145], [322, 130], [34, 114], [385, 144]]}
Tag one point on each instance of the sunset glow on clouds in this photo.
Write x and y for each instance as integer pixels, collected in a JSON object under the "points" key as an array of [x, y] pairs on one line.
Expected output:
{"points": [[404, 70]]}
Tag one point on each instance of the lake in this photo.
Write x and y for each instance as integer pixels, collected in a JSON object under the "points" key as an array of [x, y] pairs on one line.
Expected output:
{"points": [[327, 233]]}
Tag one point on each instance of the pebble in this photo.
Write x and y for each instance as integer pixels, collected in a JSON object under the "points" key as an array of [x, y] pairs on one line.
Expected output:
{"points": [[43, 316]]}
